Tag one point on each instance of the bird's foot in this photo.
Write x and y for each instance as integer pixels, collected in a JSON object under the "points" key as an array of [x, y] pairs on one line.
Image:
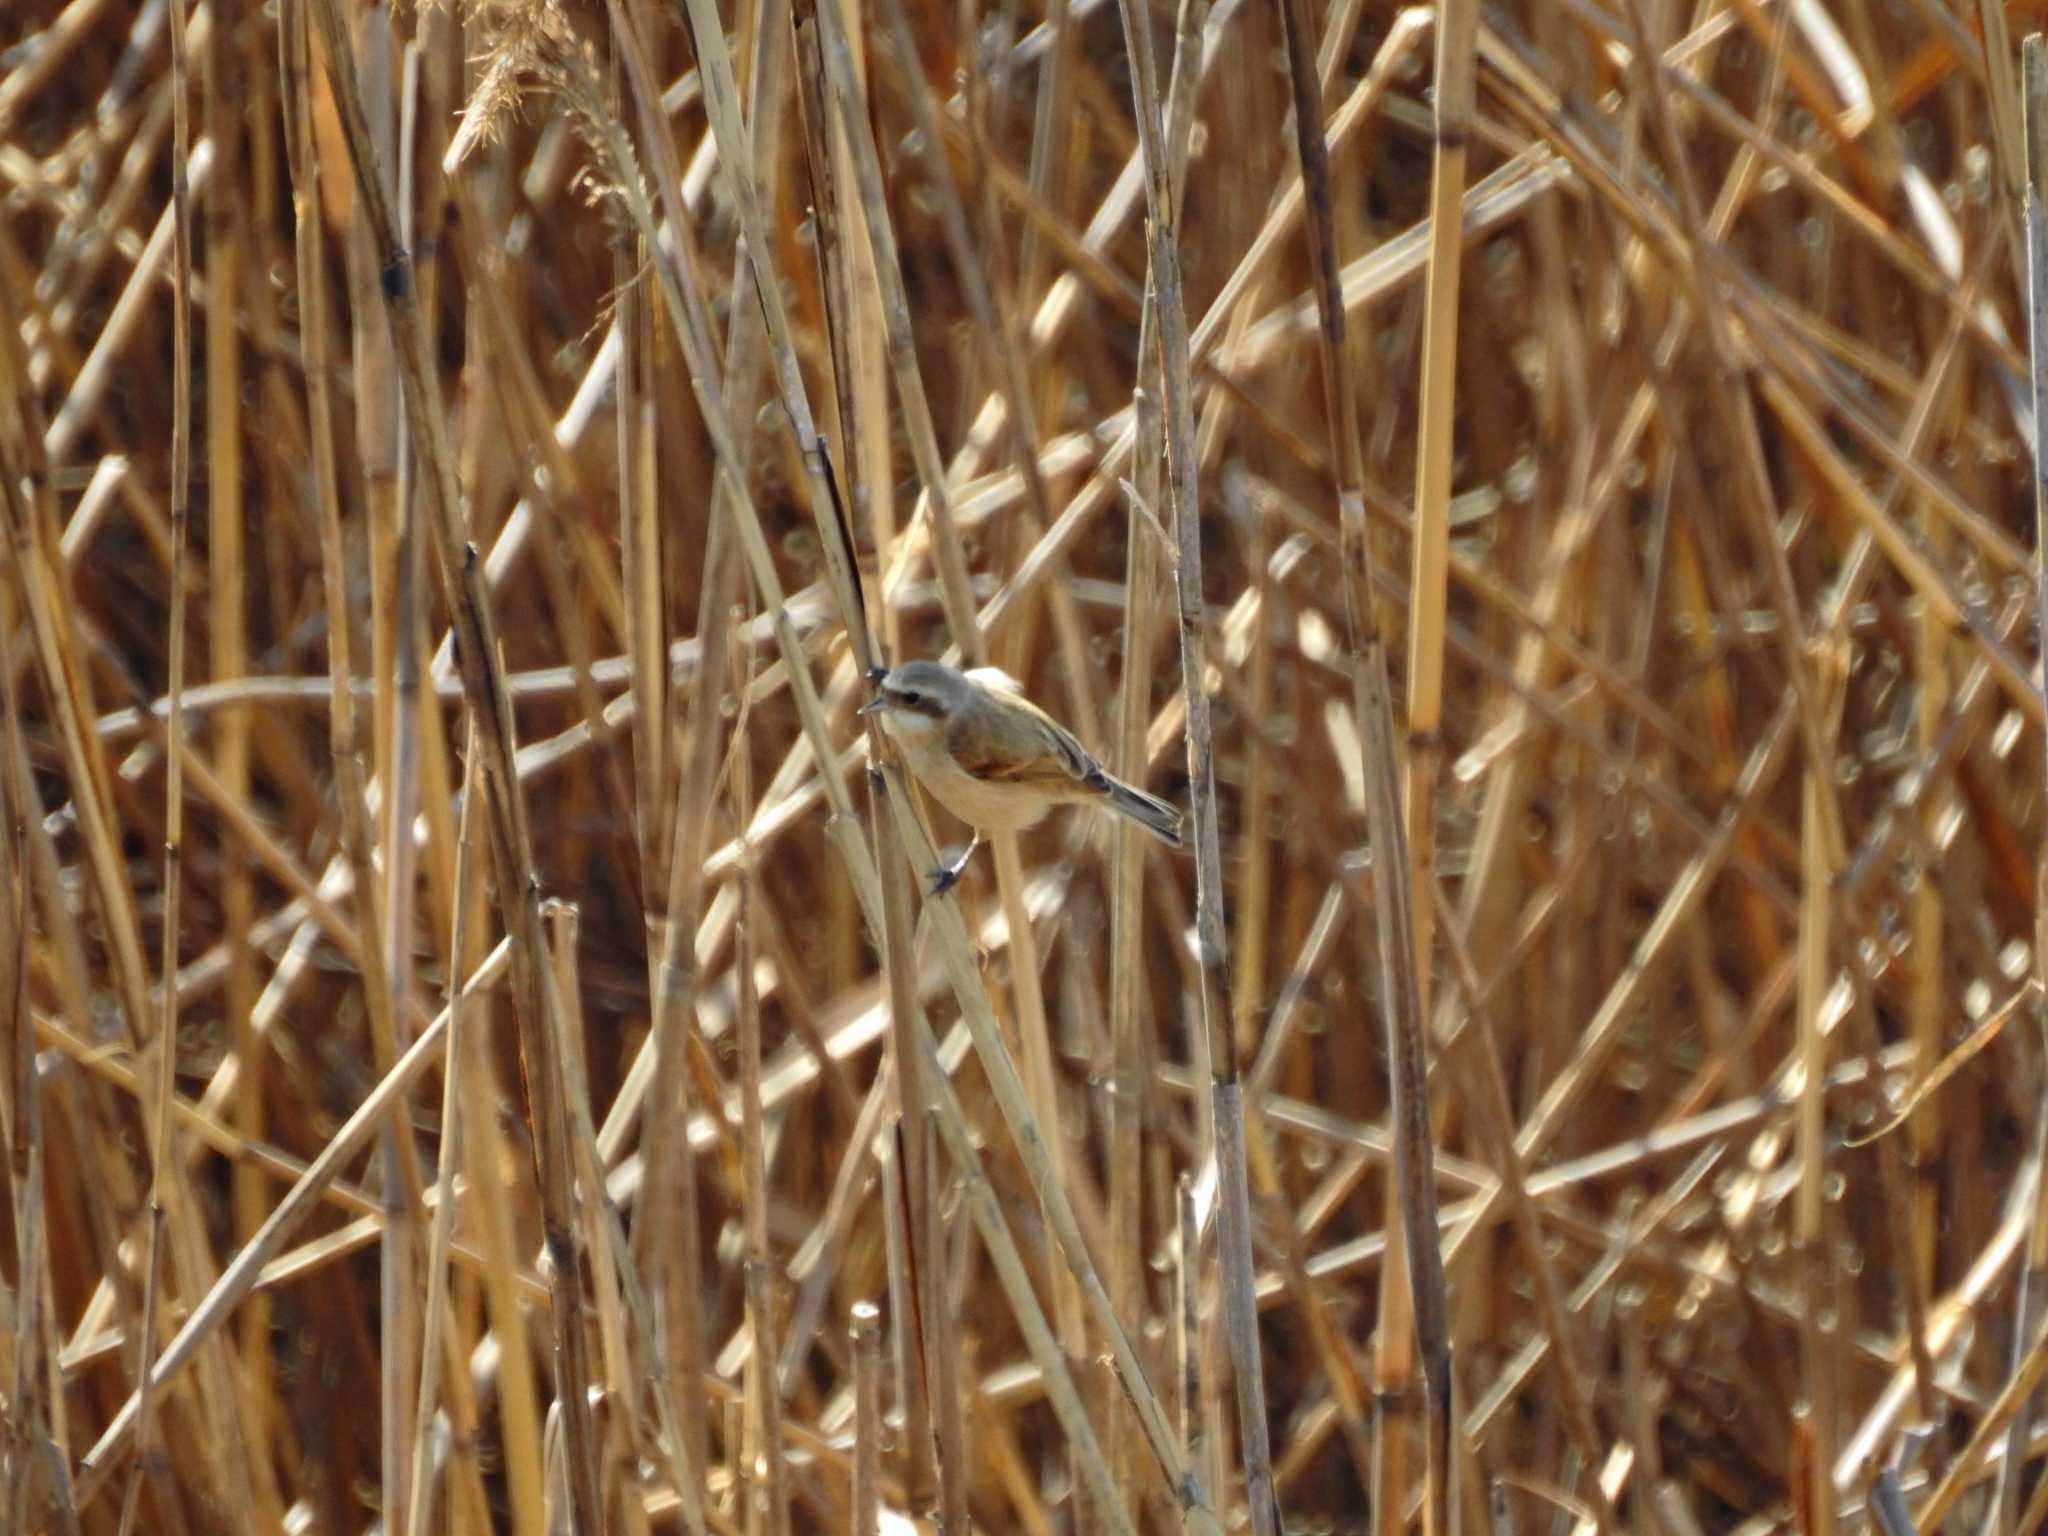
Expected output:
{"points": [[946, 876]]}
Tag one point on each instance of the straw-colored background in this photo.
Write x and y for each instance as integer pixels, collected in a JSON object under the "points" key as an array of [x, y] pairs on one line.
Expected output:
{"points": [[1612, 625]]}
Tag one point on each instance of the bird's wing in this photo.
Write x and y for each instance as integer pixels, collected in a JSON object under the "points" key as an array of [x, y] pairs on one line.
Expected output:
{"points": [[1063, 758]]}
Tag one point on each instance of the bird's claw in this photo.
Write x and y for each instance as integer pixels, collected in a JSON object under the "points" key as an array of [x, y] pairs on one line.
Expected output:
{"points": [[946, 876]]}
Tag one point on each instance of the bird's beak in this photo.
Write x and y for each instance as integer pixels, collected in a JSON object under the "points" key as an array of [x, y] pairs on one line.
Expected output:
{"points": [[874, 706]]}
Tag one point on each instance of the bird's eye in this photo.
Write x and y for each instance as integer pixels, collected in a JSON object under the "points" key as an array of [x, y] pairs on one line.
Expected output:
{"points": [[914, 700]]}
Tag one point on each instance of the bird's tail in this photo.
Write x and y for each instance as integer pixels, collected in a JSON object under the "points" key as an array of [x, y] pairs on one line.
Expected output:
{"points": [[1148, 811]]}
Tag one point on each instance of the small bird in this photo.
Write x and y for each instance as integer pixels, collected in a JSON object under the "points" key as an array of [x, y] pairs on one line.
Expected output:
{"points": [[993, 758]]}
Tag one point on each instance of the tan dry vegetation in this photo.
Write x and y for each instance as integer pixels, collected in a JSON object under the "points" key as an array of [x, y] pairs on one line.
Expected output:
{"points": [[1607, 616]]}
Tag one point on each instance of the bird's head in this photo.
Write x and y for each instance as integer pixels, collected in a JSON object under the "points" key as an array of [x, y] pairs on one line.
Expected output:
{"points": [[919, 696]]}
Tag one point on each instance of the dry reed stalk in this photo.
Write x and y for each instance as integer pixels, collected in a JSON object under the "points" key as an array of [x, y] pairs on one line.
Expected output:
{"points": [[763, 1438], [937, 1307], [1495, 1113], [1816, 943], [439, 1320], [1140, 625], [33, 1460], [2030, 1302], [911, 1229], [1422, 1305], [222, 68], [1126, 946], [483, 677], [920, 1481], [999, 340], [1227, 1108], [864, 1328], [174, 790]]}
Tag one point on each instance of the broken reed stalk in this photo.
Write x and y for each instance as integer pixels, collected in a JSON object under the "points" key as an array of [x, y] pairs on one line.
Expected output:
{"points": [[864, 1335], [174, 778]]}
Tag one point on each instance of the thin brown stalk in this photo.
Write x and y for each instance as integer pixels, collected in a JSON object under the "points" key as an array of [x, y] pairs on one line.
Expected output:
{"points": [[836, 55], [911, 1232], [1126, 957], [440, 1325], [2031, 1301], [33, 1382], [166, 1052], [1413, 1299], [764, 1430], [222, 65], [943, 1346], [1227, 1108]]}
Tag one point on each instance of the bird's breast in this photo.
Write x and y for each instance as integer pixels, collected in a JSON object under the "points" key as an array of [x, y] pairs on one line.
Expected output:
{"points": [[986, 805]]}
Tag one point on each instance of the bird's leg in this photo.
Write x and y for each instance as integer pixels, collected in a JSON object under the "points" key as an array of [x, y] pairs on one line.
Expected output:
{"points": [[946, 876]]}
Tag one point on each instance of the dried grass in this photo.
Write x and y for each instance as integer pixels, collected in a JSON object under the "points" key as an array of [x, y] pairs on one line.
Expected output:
{"points": [[459, 470]]}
